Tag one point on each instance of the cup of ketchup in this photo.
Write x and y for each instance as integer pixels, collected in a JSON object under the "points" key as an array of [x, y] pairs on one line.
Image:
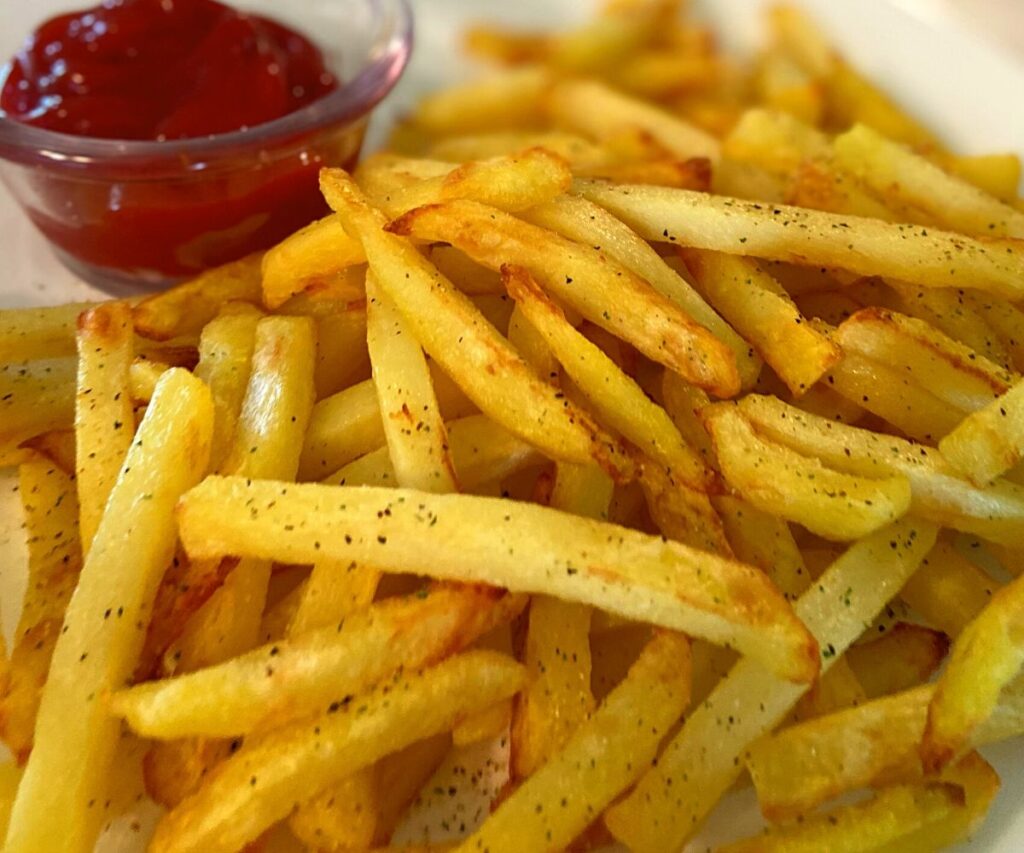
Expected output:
{"points": [[151, 139]]}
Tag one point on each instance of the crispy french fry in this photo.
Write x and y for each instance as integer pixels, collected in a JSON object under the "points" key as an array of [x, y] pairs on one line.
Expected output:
{"points": [[985, 658], [995, 512], [776, 479], [761, 310], [701, 761], [605, 754], [894, 170], [904, 657], [35, 397], [104, 418], [225, 362], [598, 111], [54, 560], [887, 817], [948, 369], [765, 541], [576, 150], [587, 280], [185, 309], [616, 398], [774, 141], [785, 86], [75, 737], [32, 333], [230, 809], [214, 523], [577, 219], [467, 348], [508, 100], [996, 174], [990, 441], [948, 591], [918, 255], [278, 682], [415, 431]]}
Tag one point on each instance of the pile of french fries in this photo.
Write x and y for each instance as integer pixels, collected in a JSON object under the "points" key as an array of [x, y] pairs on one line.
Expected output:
{"points": [[659, 415]]}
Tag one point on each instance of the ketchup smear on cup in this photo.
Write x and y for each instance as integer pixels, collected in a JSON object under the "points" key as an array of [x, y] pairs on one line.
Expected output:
{"points": [[169, 70]]}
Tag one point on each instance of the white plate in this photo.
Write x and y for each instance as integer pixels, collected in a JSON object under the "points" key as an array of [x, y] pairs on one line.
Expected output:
{"points": [[965, 88]]}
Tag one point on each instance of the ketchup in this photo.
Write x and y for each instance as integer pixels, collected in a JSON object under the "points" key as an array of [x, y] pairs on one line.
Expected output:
{"points": [[161, 73], [161, 69]]}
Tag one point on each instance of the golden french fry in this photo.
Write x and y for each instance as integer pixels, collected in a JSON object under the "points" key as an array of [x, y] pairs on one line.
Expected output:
{"points": [[905, 656], [587, 280], [416, 436], [783, 85], [885, 819], [777, 479], [604, 755], [75, 737], [948, 591], [231, 810], [893, 170], [616, 398], [948, 369], [104, 417], [580, 220], [278, 682], [918, 255], [225, 362], [32, 333], [995, 512], [702, 760], [598, 111], [701, 596], [510, 100], [186, 308], [996, 174], [54, 560], [10, 776], [452, 332], [761, 310], [990, 441], [986, 657], [35, 397]]}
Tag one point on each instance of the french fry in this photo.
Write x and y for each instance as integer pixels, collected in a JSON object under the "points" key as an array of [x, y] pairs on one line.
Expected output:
{"points": [[576, 150], [509, 100], [894, 170], [545, 558], [951, 371], [58, 446], [54, 560], [104, 417], [904, 657], [227, 812], [776, 479], [577, 219], [588, 281], [75, 737], [143, 374], [802, 766], [225, 362], [276, 683], [948, 591], [758, 307], [34, 333], [765, 541], [936, 492], [186, 308], [35, 397], [996, 174], [785, 86], [604, 755], [415, 432], [922, 256], [616, 398], [990, 441], [885, 819], [774, 141], [838, 688], [702, 760], [451, 331], [985, 658], [593, 109]]}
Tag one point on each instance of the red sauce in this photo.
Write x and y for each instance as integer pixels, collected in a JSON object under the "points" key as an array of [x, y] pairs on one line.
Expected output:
{"points": [[161, 69], [169, 70]]}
